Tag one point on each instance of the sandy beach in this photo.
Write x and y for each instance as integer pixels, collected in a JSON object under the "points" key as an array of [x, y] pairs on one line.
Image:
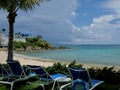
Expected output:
{"points": [[24, 60]]}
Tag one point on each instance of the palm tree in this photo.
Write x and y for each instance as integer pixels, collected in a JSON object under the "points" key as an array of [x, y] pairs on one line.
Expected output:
{"points": [[12, 6]]}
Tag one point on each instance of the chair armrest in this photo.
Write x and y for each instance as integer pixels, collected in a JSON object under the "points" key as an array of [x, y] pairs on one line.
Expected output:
{"points": [[65, 85]]}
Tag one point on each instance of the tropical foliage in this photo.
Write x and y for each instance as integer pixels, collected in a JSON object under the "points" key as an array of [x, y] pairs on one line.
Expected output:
{"points": [[12, 6], [33, 43], [110, 77]]}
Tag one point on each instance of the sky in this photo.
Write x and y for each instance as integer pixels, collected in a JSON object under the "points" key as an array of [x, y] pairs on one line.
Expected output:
{"points": [[71, 21]]}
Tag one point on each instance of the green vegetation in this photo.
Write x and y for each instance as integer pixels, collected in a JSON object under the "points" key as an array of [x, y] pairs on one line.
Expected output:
{"points": [[110, 77], [34, 43], [12, 7], [106, 74], [57, 68]]}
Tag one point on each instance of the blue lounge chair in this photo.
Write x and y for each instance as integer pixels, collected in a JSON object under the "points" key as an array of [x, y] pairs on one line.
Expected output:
{"points": [[3, 71], [5, 76], [83, 74], [80, 73], [77, 84], [17, 74], [16, 69], [55, 78]]}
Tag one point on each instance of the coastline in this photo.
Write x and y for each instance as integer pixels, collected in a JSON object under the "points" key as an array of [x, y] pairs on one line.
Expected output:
{"points": [[25, 60]]}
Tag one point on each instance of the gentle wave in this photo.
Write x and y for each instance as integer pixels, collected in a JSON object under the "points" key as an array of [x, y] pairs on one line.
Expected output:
{"points": [[94, 54]]}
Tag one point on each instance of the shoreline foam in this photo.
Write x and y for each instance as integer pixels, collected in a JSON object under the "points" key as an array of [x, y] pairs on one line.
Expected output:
{"points": [[25, 60]]}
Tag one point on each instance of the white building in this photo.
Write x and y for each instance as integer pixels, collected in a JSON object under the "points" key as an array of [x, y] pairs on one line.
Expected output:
{"points": [[3, 39], [20, 39]]}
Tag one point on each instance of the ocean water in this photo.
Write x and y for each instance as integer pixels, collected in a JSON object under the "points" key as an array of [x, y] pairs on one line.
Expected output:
{"points": [[90, 54]]}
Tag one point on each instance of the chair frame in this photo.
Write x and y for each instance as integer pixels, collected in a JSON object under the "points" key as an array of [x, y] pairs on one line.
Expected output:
{"points": [[11, 67], [19, 77], [49, 77], [2, 70], [79, 70], [6, 82], [71, 85]]}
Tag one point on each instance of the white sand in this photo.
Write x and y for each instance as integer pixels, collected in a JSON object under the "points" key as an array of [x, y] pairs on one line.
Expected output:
{"points": [[24, 60]]}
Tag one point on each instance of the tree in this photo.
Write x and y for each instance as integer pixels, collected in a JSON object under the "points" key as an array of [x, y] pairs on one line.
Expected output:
{"points": [[39, 36], [12, 6]]}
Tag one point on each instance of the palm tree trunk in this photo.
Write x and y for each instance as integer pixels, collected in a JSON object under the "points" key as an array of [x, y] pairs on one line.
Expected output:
{"points": [[11, 19], [10, 43]]}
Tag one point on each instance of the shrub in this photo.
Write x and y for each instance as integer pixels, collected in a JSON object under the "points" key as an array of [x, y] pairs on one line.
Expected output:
{"points": [[73, 64], [57, 68], [106, 74], [34, 43]]}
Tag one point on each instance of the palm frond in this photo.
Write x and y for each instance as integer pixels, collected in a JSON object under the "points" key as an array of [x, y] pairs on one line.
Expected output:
{"points": [[29, 4], [19, 4], [3, 4]]}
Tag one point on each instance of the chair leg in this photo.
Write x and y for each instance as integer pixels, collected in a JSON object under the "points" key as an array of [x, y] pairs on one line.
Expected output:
{"points": [[53, 85], [11, 88], [58, 83], [42, 86]]}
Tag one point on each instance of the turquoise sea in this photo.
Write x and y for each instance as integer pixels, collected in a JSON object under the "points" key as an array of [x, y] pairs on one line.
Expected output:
{"points": [[89, 54]]}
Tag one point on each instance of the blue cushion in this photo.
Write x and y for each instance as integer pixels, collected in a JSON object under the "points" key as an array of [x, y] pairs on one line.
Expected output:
{"points": [[79, 84], [55, 76]]}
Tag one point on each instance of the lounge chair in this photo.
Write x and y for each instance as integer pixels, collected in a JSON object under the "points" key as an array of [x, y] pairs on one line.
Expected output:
{"points": [[5, 76], [55, 78], [3, 71], [16, 69], [77, 84], [17, 74], [82, 74]]}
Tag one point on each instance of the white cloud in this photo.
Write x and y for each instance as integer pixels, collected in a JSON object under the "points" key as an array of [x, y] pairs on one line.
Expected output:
{"points": [[102, 19], [52, 21], [113, 6], [104, 29], [100, 31], [48, 20], [74, 14], [74, 28]]}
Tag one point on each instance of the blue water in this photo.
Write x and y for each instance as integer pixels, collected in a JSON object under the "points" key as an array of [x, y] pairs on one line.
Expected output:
{"points": [[94, 54]]}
